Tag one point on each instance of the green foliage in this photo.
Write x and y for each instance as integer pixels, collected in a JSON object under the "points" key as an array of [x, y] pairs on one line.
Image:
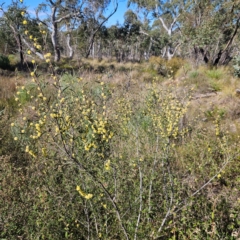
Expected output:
{"points": [[194, 74], [166, 68], [214, 74], [13, 60], [23, 96], [101, 164], [236, 66], [4, 62]]}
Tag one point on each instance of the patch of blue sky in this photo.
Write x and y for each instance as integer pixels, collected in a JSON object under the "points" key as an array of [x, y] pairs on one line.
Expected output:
{"points": [[118, 17]]}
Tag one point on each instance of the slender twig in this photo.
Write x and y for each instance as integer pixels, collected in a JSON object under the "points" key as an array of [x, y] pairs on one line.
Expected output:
{"points": [[88, 224], [151, 178], [140, 189], [96, 181], [171, 182], [94, 217]]}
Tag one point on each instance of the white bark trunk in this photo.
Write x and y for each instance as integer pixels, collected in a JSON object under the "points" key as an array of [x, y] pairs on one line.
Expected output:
{"points": [[70, 49]]}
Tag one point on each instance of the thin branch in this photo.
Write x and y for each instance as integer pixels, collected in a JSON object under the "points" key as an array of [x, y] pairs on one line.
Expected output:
{"points": [[33, 49], [97, 29], [234, 34], [140, 190], [151, 177]]}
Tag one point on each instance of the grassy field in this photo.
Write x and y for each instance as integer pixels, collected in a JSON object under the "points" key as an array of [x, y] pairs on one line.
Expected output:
{"points": [[106, 150]]}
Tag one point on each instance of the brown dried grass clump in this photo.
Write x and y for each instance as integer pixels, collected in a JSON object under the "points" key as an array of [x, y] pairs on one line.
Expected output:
{"points": [[7, 87]]}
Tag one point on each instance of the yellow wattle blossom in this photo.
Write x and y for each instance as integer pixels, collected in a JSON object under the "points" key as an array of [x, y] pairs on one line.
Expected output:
{"points": [[24, 22], [27, 149], [44, 152], [29, 52], [32, 74], [32, 154], [26, 32], [22, 13], [107, 165], [47, 55], [33, 61], [83, 194]]}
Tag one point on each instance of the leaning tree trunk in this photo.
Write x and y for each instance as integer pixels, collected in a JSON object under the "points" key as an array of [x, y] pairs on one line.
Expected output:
{"points": [[20, 48]]}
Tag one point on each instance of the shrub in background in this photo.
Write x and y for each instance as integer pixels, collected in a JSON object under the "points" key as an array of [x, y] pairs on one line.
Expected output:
{"points": [[164, 67], [4, 62], [236, 66]]}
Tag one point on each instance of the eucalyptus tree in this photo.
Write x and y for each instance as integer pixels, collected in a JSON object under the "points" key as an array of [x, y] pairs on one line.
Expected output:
{"points": [[68, 15], [209, 28], [90, 43], [136, 41], [8, 42], [11, 21], [168, 14]]}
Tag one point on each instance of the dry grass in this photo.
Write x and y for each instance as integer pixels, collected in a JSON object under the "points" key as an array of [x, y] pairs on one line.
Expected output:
{"points": [[7, 87], [192, 161]]}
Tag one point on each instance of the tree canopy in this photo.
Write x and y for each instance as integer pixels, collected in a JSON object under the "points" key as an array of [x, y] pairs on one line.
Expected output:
{"points": [[205, 31]]}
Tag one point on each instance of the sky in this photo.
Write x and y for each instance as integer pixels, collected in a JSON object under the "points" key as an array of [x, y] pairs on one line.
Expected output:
{"points": [[117, 17]]}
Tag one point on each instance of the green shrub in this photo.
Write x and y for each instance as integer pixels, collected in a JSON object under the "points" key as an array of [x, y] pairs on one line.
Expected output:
{"points": [[164, 67], [236, 66], [13, 59], [4, 62]]}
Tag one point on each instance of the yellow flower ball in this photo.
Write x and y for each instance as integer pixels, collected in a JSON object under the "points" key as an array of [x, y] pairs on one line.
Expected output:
{"points": [[27, 149]]}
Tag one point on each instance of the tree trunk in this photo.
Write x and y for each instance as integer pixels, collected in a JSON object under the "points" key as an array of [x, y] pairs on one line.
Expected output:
{"points": [[99, 50], [70, 49], [54, 37], [20, 49]]}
